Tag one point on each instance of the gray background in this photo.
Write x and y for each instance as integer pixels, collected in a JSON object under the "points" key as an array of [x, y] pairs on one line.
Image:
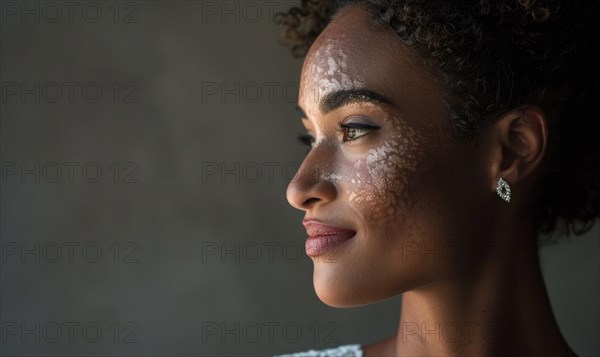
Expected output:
{"points": [[214, 90]]}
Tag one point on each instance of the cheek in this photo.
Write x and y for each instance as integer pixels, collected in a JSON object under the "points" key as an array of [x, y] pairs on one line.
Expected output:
{"points": [[380, 184]]}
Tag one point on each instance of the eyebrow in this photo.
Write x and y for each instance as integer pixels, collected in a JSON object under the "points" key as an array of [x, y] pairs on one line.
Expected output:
{"points": [[340, 98]]}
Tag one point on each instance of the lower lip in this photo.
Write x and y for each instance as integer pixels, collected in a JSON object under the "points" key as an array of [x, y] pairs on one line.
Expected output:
{"points": [[320, 245]]}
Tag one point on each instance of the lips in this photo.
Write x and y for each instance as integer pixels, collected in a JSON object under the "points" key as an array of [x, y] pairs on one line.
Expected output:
{"points": [[324, 237]]}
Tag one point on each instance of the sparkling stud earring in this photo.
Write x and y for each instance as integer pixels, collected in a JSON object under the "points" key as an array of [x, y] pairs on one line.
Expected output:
{"points": [[503, 189]]}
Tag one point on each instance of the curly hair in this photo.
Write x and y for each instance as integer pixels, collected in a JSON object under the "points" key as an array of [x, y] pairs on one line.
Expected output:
{"points": [[495, 56]]}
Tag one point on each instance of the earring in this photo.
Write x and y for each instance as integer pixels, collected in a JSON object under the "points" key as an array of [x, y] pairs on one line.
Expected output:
{"points": [[503, 189]]}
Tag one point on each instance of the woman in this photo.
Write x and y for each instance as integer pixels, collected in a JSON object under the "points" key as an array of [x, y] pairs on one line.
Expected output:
{"points": [[444, 137]]}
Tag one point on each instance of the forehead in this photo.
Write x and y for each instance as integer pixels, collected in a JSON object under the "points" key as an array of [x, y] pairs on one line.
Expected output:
{"points": [[334, 58], [353, 51], [351, 30]]}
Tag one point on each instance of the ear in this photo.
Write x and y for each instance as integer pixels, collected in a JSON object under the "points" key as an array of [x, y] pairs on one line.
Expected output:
{"points": [[518, 145]]}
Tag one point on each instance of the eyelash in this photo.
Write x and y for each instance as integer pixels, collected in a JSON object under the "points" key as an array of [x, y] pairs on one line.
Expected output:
{"points": [[308, 139], [344, 128]]}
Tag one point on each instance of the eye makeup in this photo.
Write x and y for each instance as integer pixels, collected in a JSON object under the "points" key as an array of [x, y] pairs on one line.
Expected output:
{"points": [[349, 131], [353, 131], [306, 139]]}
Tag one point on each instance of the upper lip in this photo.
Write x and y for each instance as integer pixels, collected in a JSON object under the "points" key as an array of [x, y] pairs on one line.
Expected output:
{"points": [[315, 228]]}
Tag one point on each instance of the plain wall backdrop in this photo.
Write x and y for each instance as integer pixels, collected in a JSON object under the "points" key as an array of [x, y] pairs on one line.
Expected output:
{"points": [[146, 148]]}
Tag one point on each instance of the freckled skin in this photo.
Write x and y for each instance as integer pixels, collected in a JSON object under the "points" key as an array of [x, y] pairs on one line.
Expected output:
{"points": [[429, 224], [380, 184], [382, 177]]}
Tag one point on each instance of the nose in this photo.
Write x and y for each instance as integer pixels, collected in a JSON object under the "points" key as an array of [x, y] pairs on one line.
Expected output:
{"points": [[311, 186]]}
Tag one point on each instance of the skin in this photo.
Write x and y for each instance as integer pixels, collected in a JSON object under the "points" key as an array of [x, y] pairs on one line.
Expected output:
{"points": [[429, 223]]}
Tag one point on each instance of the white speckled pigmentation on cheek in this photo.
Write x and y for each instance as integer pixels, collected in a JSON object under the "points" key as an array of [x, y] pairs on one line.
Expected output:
{"points": [[382, 177], [332, 177]]}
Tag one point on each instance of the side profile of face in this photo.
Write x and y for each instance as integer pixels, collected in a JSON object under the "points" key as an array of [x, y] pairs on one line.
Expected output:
{"points": [[395, 178]]}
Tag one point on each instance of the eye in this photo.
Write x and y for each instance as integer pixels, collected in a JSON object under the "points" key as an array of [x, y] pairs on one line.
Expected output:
{"points": [[353, 131], [306, 139]]}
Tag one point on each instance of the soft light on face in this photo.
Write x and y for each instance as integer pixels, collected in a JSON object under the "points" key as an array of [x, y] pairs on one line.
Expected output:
{"points": [[381, 176], [380, 184], [326, 73]]}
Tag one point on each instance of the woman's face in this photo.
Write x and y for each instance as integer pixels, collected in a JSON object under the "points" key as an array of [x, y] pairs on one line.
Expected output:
{"points": [[404, 188]]}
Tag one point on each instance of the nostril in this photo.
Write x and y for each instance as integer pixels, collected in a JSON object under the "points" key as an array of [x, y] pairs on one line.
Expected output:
{"points": [[310, 201]]}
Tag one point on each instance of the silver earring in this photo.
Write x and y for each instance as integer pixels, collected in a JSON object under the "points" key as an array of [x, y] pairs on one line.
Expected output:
{"points": [[503, 189]]}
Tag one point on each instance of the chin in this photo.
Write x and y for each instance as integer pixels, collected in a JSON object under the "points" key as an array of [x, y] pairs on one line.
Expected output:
{"points": [[339, 286], [338, 292], [335, 299]]}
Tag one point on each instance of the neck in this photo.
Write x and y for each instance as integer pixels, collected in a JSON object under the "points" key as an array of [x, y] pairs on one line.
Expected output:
{"points": [[499, 307]]}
